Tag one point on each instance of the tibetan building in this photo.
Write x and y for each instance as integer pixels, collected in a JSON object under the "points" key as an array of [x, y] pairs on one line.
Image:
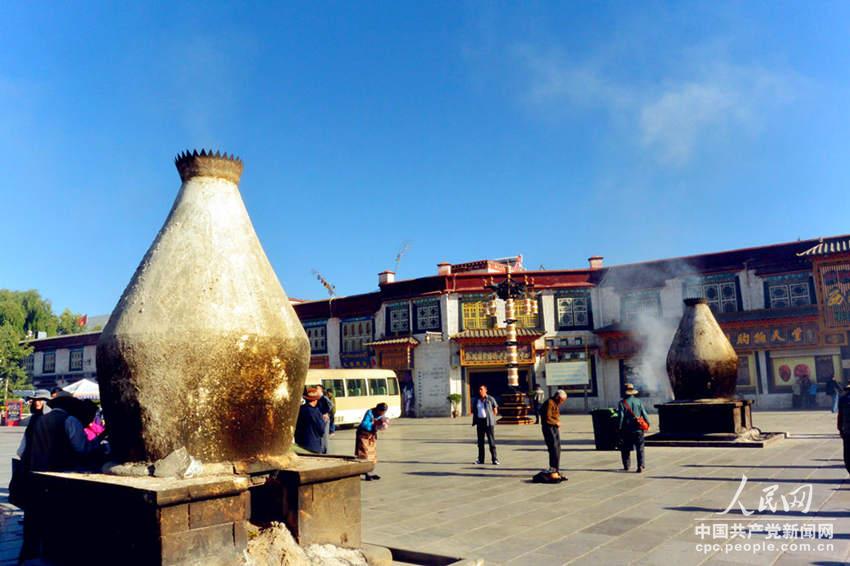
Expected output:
{"points": [[785, 308]]}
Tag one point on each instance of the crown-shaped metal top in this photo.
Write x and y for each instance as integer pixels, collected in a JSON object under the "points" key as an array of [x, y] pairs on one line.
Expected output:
{"points": [[208, 164]]}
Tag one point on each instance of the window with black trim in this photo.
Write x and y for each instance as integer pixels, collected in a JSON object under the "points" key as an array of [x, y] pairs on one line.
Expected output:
{"points": [[398, 319], [317, 333], [786, 291], [29, 363], [572, 309], [48, 364], [721, 292], [426, 315], [75, 361], [355, 335]]}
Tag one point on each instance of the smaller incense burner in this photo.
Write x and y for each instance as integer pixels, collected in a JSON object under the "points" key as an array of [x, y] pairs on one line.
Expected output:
{"points": [[701, 362]]}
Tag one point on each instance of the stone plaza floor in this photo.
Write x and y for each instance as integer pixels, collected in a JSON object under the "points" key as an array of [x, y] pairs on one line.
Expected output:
{"points": [[433, 499]]}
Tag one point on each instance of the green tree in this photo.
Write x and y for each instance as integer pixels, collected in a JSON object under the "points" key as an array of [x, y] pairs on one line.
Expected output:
{"points": [[38, 313], [12, 355], [69, 322], [11, 310]]}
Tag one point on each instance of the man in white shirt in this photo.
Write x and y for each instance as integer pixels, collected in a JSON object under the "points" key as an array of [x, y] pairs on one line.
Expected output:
{"points": [[484, 411]]}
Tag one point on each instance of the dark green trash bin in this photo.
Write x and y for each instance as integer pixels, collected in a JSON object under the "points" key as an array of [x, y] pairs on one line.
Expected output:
{"points": [[606, 426]]}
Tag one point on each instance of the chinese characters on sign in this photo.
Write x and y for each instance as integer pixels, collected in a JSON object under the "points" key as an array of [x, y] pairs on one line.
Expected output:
{"points": [[493, 354], [774, 337]]}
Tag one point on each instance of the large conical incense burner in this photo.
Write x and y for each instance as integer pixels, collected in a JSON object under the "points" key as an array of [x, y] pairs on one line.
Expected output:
{"points": [[205, 357], [701, 362], [703, 369], [203, 349]]}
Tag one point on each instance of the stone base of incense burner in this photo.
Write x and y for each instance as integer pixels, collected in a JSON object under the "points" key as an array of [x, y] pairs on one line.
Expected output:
{"points": [[709, 422], [182, 522], [514, 409], [104, 519], [317, 498]]}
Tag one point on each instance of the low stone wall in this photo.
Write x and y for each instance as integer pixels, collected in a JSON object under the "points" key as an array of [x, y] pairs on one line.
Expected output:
{"points": [[101, 519]]}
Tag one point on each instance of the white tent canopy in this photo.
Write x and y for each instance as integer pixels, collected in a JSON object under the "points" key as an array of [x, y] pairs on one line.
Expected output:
{"points": [[84, 389]]}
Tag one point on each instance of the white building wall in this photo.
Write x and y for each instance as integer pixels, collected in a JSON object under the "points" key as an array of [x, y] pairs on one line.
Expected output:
{"points": [[38, 363], [90, 358], [752, 290], [333, 343], [379, 327], [672, 297], [547, 304], [63, 356], [609, 311], [449, 306]]}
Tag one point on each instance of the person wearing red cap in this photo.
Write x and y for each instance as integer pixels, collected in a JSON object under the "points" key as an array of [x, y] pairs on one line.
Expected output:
{"points": [[310, 427]]}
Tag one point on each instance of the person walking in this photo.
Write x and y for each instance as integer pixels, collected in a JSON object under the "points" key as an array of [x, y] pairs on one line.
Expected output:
{"points": [[844, 424], [329, 393], [484, 411], [813, 394], [833, 389], [537, 399], [19, 485], [310, 426], [38, 406], [630, 411], [326, 408], [552, 431], [796, 388], [805, 382], [366, 439]]}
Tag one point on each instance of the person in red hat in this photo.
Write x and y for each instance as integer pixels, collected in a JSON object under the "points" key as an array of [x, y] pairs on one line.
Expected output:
{"points": [[310, 427]]}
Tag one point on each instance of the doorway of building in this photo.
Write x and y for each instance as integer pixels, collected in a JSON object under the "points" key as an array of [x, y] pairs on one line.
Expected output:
{"points": [[496, 382]]}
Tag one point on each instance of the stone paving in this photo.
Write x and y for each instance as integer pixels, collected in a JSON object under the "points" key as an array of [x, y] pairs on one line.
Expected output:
{"points": [[10, 527], [432, 498]]}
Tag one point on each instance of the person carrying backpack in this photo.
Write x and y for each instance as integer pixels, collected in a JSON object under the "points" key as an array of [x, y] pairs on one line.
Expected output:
{"points": [[634, 421]]}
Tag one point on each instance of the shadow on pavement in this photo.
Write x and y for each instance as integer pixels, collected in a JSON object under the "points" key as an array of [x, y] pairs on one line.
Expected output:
{"points": [[759, 466], [507, 441], [447, 474]]}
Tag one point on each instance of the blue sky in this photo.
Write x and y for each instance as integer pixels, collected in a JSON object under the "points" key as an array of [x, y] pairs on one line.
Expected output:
{"points": [[470, 130]]}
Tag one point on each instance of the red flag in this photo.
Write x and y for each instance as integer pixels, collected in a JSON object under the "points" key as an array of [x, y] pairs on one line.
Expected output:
{"points": [[83, 320]]}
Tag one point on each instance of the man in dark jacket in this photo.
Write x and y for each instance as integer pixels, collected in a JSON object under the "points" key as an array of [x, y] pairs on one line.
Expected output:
{"points": [[326, 407], [844, 424], [551, 426], [310, 427], [58, 443], [484, 411], [631, 435]]}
